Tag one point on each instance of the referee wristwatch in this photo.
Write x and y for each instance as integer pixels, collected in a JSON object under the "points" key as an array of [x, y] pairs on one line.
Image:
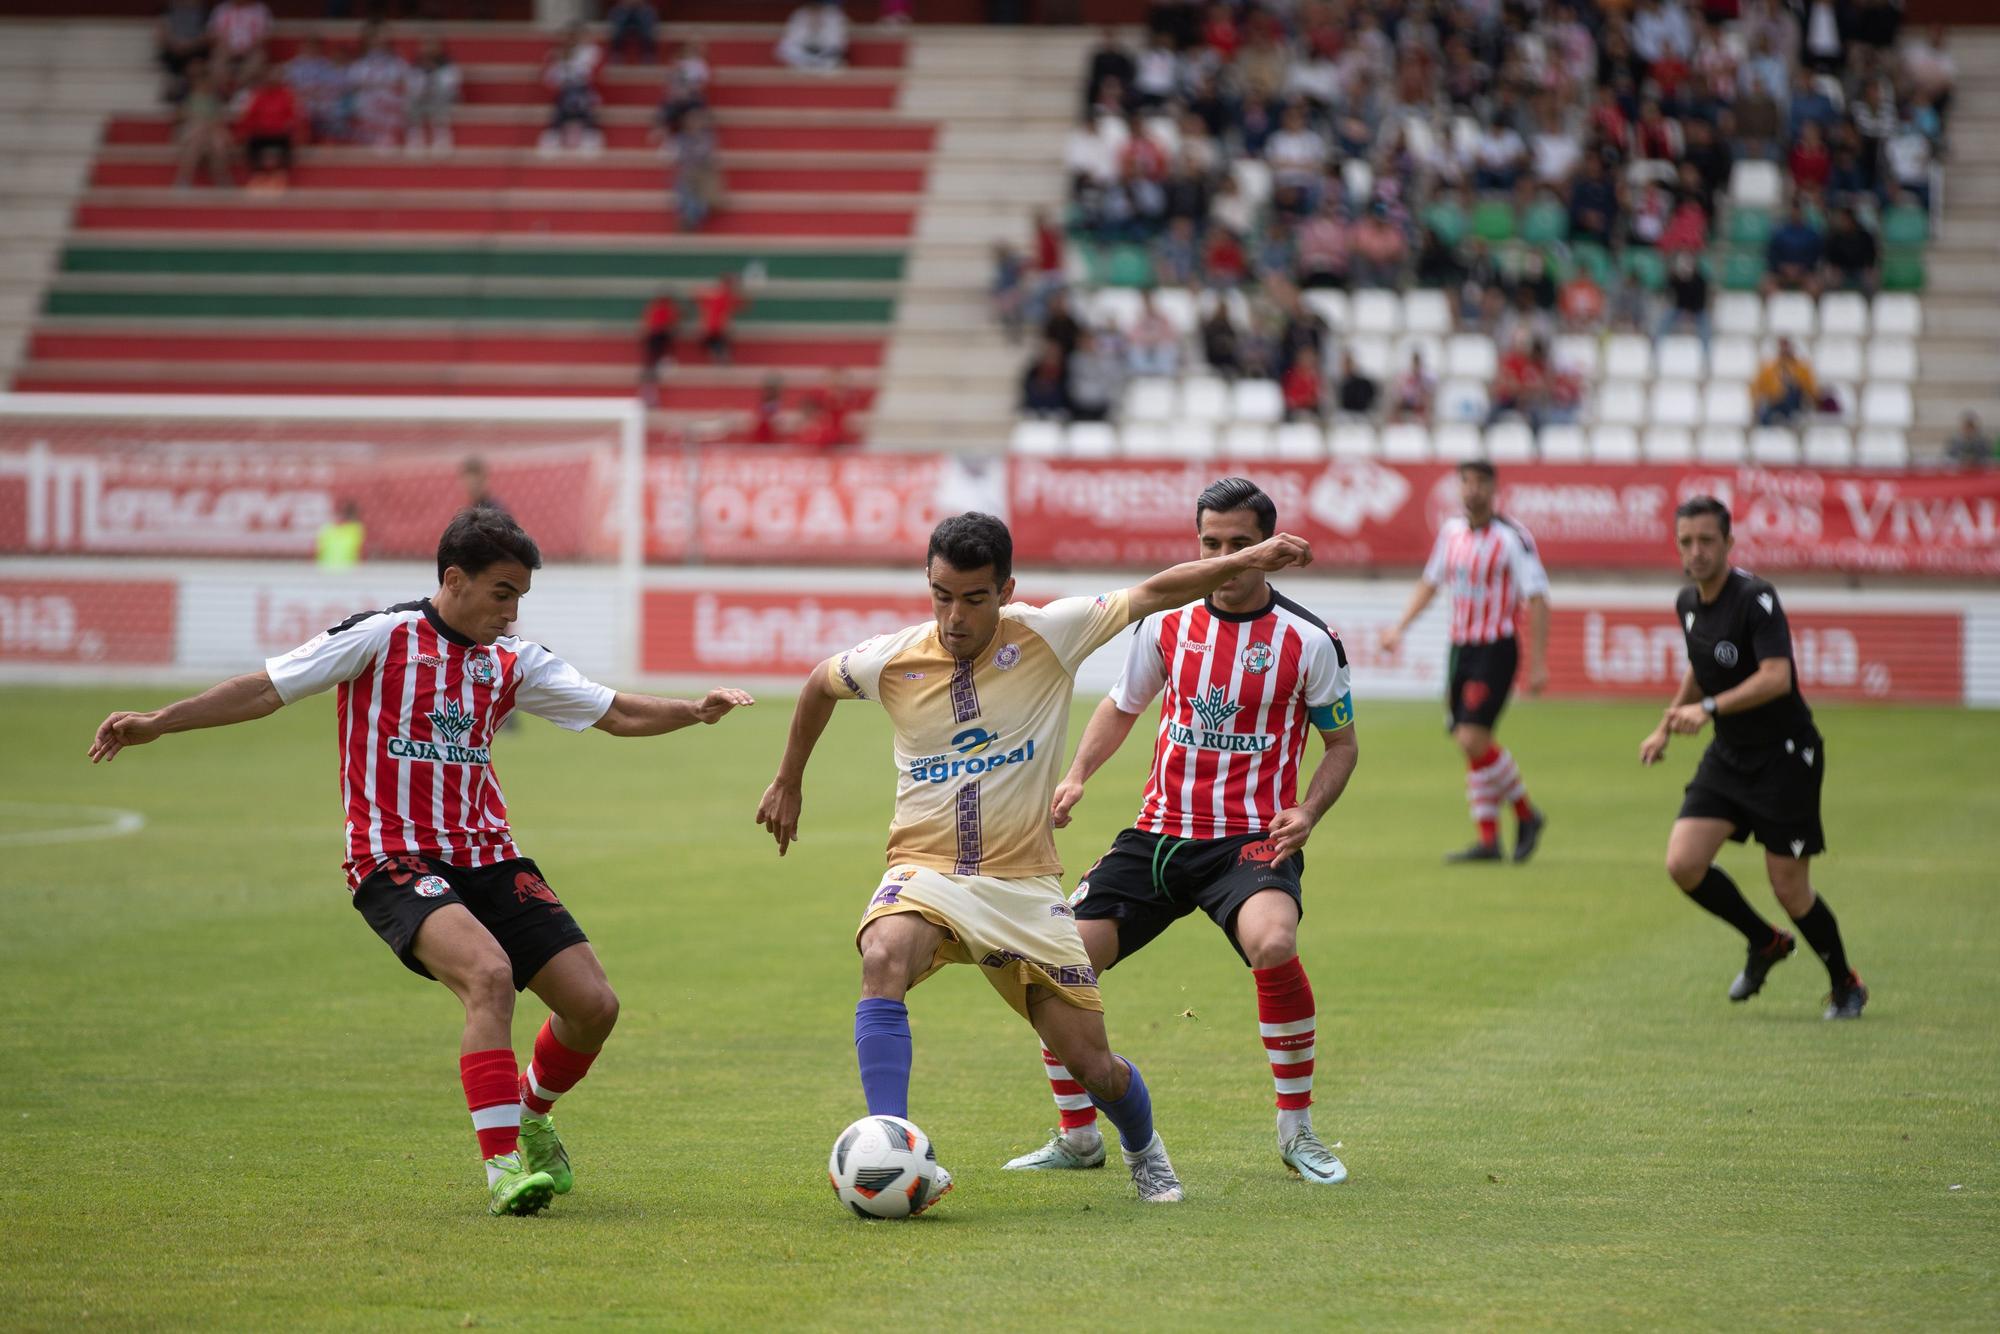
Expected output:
{"points": [[1708, 705]]}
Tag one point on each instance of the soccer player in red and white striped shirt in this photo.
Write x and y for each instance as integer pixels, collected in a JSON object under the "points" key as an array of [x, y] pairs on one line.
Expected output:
{"points": [[431, 862], [1248, 675], [1495, 577]]}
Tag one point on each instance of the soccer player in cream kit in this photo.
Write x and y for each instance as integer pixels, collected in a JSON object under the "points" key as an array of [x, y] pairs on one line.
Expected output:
{"points": [[423, 688], [979, 697], [1763, 772]]}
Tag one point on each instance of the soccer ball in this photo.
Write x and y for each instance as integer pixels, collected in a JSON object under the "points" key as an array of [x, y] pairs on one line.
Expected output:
{"points": [[882, 1167]]}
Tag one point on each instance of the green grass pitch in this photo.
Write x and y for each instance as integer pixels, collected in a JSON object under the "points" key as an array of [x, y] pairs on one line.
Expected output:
{"points": [[225, 1106]]}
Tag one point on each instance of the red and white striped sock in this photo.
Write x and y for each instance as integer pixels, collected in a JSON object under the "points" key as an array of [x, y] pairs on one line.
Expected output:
{"points": [[1508, 786], [1286, 1020], [1483, 795], [552, 1072], [492, 1094], [1074, 1110]]}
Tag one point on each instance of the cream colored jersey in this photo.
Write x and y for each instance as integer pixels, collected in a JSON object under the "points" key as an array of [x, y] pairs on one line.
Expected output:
{"points": [[980, 743]]}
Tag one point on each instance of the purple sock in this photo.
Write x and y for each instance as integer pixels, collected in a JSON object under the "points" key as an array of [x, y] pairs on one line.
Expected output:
{"points": [[882, 1046], [1132, 1114]]}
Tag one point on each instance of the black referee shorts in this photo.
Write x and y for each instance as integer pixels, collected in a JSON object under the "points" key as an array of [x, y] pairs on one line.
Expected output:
{"points": [[1147, 882], [510, 899], [1771, 792], [1480, 679]]}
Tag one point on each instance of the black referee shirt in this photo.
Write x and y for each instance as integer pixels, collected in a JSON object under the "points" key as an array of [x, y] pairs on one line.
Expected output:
{"points": [[1726, 639]]}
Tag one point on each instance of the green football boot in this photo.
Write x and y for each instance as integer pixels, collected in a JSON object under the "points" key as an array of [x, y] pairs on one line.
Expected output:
{"points": [[517, 1190], [542, 1151]]}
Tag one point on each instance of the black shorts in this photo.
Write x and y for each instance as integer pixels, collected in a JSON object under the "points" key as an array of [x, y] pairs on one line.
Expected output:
{"points": [[1771, 792], [1147, 882], [510, 899], [1480, 679]]}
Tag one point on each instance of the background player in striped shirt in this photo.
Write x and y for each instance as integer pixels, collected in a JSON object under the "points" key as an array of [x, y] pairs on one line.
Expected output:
{"points": [[980, 699], [431, 863], [1247, 673], [1491, 565]]}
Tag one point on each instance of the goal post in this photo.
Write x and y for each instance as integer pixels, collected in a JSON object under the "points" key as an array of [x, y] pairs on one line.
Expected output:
{"points": [[169, 535]]}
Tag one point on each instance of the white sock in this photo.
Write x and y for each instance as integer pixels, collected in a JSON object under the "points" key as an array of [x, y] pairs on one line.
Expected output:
{"points": [[493, 1174], [1085, 1138], [1292, 1121]]}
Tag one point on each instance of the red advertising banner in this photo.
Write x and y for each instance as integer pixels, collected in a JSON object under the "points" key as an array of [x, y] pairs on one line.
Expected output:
{"points": [[1583, 516], [764, 506], [96, 622], [752, 632], [1877, 656]]}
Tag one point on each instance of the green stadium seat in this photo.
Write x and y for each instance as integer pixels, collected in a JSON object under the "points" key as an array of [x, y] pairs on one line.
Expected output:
{"points": [[1448, 220], [1594, 260], [1749, 229], [1545, 223], [1905, 226], [1647, 267], [1742, 271], [1130, 266], [1493, 221], [1903, 271]]}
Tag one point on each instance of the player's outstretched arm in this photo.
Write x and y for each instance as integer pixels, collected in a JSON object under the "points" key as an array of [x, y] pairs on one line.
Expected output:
{"points": [[652, 715], [778, 812], [1109, 726], [1196, 579], [1293, 826], [1538, 640], [240, 699]]}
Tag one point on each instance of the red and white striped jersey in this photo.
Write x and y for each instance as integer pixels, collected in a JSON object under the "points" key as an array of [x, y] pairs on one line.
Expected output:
{"points": [[418, 707], [1241, 690], [1489, 571], [239, 29]]}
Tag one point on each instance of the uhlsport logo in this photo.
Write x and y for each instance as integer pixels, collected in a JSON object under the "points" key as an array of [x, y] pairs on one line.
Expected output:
{"points": [[1258, 658], [452, 724], [432, 887], [480, 668], [972, 745], [1213, 711]]}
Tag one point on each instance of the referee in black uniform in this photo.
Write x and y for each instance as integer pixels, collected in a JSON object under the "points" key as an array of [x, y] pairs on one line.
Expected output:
{"points": [[1762, 773]]}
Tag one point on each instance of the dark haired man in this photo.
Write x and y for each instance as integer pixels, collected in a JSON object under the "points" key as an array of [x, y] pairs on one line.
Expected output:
{"points": [[1491, 564], [1246, 672], [431, 862], [1762, 773], [980, 697]]}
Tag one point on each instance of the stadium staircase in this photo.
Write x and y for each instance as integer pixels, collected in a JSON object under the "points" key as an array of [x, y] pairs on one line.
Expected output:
{"points": [[1959, 367]]}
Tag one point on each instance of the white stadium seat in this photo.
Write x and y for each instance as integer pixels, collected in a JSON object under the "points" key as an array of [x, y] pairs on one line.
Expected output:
{"points": [[1119, 307], [1774, 446], [1426, 311], [1579, 354], [1667, 444], [1837, 359], [1720, 444], [1177, 305], [1036, 439], [1614, 444], [1510, 442], [1829, 447], [1898, 315], [1628, 357], [1469, 357], [1621, 403], [1253, 178], [1887, 405], [1726, 403], [1681, 358], [1205, 398], [1377, 311], [1298, 442], [1457, 441], [1092, 440], [1676, 403], [1461, 401], [1151, 399], [1260, 401], [1892, 359], [1142, 440], [1879, 448], [1740, 314], [1373, 355], [1564, 444], [1330, 303], [1406, 442], [1733, 358], [1754, 183], [1248, 440], [1352, 440], [1191, 440], [1430, 347], [1790, 314], [1843, 315]]}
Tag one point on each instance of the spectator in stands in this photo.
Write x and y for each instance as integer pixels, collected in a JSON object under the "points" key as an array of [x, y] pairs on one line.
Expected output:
{"points": [[1655, 138], [1357, 393], [1792, 257], [633, 24], [1438, 262], [686, 88], [434, 84], [1498, 155], [815, 37], [1686, 231], [1095, 378], [1850, 180], [1410, 398], [1593, 203], [1221, 347], [843, 403], [1580, 302], [1322, 251], [1044, 386], [179, 39], [1156, 77], [321, 87], [1852, 256], [1811, 162], [1687, 299], [1059, 326], [1153, 347], [1784, 387], [1822, 36], [1529, 387], [1377, 249], [478, 487], [1907, 159], [570, 75], [202, 129], [818, 427], [1008, 290], [1177, 255], [338, 545], [237, 31], [697, 169], [1930, 70], [1711, 157], [269, 126], [767, 418], [379, 81], [1300, 387], [1660, 28], [719, 304], [1297, 157], [656, 341], [1809, 105], [1275, 255], [1110, 64], [1223, 260], [1556, 149], [1971, 446], [1650, 215], [1875, 121]]}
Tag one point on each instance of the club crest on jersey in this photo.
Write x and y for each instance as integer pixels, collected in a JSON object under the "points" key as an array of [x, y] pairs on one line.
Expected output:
{"points": [[1725, 653], [479, 668], [452, 724], [431, 887], [1008, 655], [1213, 711], [1258, 659]]}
